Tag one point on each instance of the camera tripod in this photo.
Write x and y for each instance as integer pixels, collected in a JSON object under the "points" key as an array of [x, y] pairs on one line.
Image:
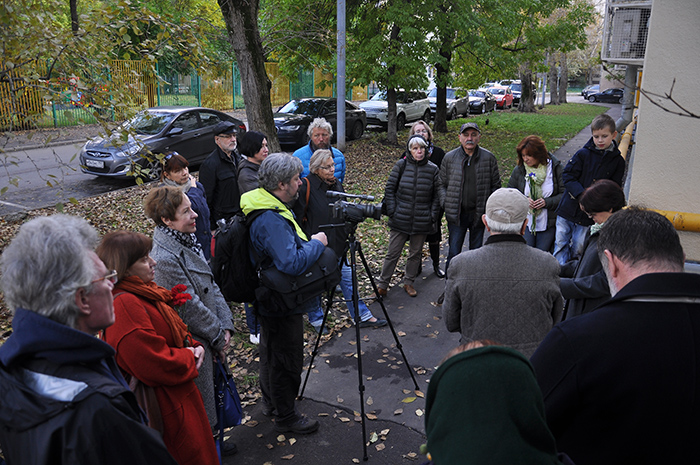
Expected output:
{"points": [[355, 249]]}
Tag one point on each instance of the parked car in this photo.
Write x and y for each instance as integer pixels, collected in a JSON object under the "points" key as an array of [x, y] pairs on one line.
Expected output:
{"points": [[588, 90], [481, 101], [139, 141], [504, 97], [410, 106], [457, 102], [516, 87], [293, 118], [608, 95]]}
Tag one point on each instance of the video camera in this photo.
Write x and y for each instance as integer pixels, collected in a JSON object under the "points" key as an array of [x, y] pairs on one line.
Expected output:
{"points": [[350, 211]]}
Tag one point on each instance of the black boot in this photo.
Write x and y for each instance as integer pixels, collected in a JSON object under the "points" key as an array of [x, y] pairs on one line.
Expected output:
{"points": [[434, 248]]}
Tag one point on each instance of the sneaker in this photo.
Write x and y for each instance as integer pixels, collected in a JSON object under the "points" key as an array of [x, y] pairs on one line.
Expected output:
{"points": [[254, 338], [303, 425], [377, 323]]}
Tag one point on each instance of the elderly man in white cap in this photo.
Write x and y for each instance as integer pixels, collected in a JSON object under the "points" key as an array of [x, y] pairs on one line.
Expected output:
{"points": [[504, 291]]}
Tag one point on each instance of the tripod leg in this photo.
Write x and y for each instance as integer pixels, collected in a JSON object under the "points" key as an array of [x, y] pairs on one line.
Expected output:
{"points": [[329, 304], [356, 302], [386, 315]]}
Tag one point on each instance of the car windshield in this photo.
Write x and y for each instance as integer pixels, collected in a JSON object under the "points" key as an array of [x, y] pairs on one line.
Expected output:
{"points": [[149, 122], [477, 93], [451, 93], [302, 107], [380, 96], [516, 87], [495, 90]]}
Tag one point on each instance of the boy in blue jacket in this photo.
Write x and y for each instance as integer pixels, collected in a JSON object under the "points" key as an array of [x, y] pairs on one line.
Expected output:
{"points": [[598, 159]]}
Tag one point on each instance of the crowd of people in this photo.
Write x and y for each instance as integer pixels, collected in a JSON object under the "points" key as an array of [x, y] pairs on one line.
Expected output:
{"points": [[577, 323]]}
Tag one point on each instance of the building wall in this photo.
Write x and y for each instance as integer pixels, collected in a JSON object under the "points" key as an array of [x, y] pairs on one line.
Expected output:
{"points": [[666, 163]]}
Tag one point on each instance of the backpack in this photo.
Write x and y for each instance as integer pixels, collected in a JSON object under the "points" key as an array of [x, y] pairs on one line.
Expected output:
{"points": [[232, 268]]}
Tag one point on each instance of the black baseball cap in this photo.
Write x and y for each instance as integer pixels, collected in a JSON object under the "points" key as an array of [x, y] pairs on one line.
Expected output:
{"points": [[466, 126], [225, 127]]}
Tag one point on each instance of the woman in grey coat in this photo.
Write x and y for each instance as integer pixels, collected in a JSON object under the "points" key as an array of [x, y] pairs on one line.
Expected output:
{"points": [[180, 261], [413, 207]]}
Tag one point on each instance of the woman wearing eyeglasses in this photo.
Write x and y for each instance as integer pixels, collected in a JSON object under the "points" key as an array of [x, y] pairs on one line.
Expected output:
{"points": [[176, 173], [312, 212], [154, 348], [181, 261], [583, 282]]}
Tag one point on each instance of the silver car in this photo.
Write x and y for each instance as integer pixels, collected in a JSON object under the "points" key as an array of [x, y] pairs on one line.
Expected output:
{"points": [[133, 148], [410, 106], [457, 102]]}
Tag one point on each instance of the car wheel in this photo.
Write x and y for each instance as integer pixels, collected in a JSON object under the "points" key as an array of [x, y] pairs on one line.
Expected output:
{"points": [[591, 98], [357, 130], [426, 116], [154, 167], [400, 121], [453, 113], [619, 100]]}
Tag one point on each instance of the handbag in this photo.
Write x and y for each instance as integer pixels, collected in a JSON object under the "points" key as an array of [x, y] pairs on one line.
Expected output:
{"points": [[146, 398], [229, 411], [293, 291]]}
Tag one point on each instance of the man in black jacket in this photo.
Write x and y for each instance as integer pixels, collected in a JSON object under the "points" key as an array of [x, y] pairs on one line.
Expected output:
{"points": [[219, 175], [620, 384], [63, 399]]}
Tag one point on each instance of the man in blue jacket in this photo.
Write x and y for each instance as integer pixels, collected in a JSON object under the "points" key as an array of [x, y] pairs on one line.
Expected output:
{"points": [[63, 399], [320, 132], [278, 240]]}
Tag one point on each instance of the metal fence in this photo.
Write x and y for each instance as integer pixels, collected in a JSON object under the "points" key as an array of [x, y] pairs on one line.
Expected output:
{"points": [[65, 105]]}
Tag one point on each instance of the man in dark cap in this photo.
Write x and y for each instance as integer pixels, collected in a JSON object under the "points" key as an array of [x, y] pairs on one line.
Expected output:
{"points": [[219, 174], [468, 176]]}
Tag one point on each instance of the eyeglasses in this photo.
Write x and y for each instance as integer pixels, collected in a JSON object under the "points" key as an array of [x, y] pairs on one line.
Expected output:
{"points": [[111, 277], [328, 167]]}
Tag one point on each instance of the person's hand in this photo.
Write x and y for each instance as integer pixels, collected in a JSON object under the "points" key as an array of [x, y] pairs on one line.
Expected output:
{"points": [[320, 236], [536, 204], [227, 341], [198, 353], [193, 181]]}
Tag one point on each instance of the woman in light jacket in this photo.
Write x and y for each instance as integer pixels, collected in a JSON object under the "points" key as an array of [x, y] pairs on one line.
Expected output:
{"points": [[180, 261], [413, 207], [538, 176]]}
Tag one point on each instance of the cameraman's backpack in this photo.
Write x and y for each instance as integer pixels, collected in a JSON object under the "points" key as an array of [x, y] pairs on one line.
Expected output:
{"points": [[233, 270]]}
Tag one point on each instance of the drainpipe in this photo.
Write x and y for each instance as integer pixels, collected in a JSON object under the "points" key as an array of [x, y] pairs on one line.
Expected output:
{"points": [[626, 139], [682, 221], [628, 97]]}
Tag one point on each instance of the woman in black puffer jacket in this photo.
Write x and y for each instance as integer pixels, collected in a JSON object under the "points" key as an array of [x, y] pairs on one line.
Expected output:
{"points": [[412, 204]]}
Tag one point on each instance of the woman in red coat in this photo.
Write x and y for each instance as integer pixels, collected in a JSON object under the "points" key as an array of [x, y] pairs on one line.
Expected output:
{"points": [[154, 346]]}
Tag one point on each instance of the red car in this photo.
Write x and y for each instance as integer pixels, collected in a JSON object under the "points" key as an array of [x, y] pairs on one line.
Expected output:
{"points": [[504, 97]]}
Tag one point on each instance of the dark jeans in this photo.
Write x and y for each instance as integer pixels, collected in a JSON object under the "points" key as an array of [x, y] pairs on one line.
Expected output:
{"points": [[281, 361], [543, 240], [459, 232]]}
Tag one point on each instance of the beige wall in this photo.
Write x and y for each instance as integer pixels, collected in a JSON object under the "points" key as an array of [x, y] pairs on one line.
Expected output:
{"points": [[666, 163]]}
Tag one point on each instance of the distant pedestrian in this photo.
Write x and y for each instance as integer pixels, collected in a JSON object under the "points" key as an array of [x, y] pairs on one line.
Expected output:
{"points": [[538, 176], [219, 175], [320, 133], [598, 159], [505, 291]]}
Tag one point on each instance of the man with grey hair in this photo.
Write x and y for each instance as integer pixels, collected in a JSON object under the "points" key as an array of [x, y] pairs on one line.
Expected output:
{"points": [[620, 384], [278, 241], [62, 396], [504, 291], [320, 132]]}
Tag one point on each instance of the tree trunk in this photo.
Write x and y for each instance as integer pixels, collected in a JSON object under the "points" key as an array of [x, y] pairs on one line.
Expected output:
{"points": [[553, 74], [391, 129], [241, 18], [563, 78], [442, 72], [74, 25], [527, 104]]}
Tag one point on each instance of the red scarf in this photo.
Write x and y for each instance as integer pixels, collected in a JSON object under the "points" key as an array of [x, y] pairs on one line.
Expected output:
{"points": [[161, 298]]}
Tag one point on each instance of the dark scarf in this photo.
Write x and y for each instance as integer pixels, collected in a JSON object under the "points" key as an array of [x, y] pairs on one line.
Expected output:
{"points": [[162, 299], [187, 240]]}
